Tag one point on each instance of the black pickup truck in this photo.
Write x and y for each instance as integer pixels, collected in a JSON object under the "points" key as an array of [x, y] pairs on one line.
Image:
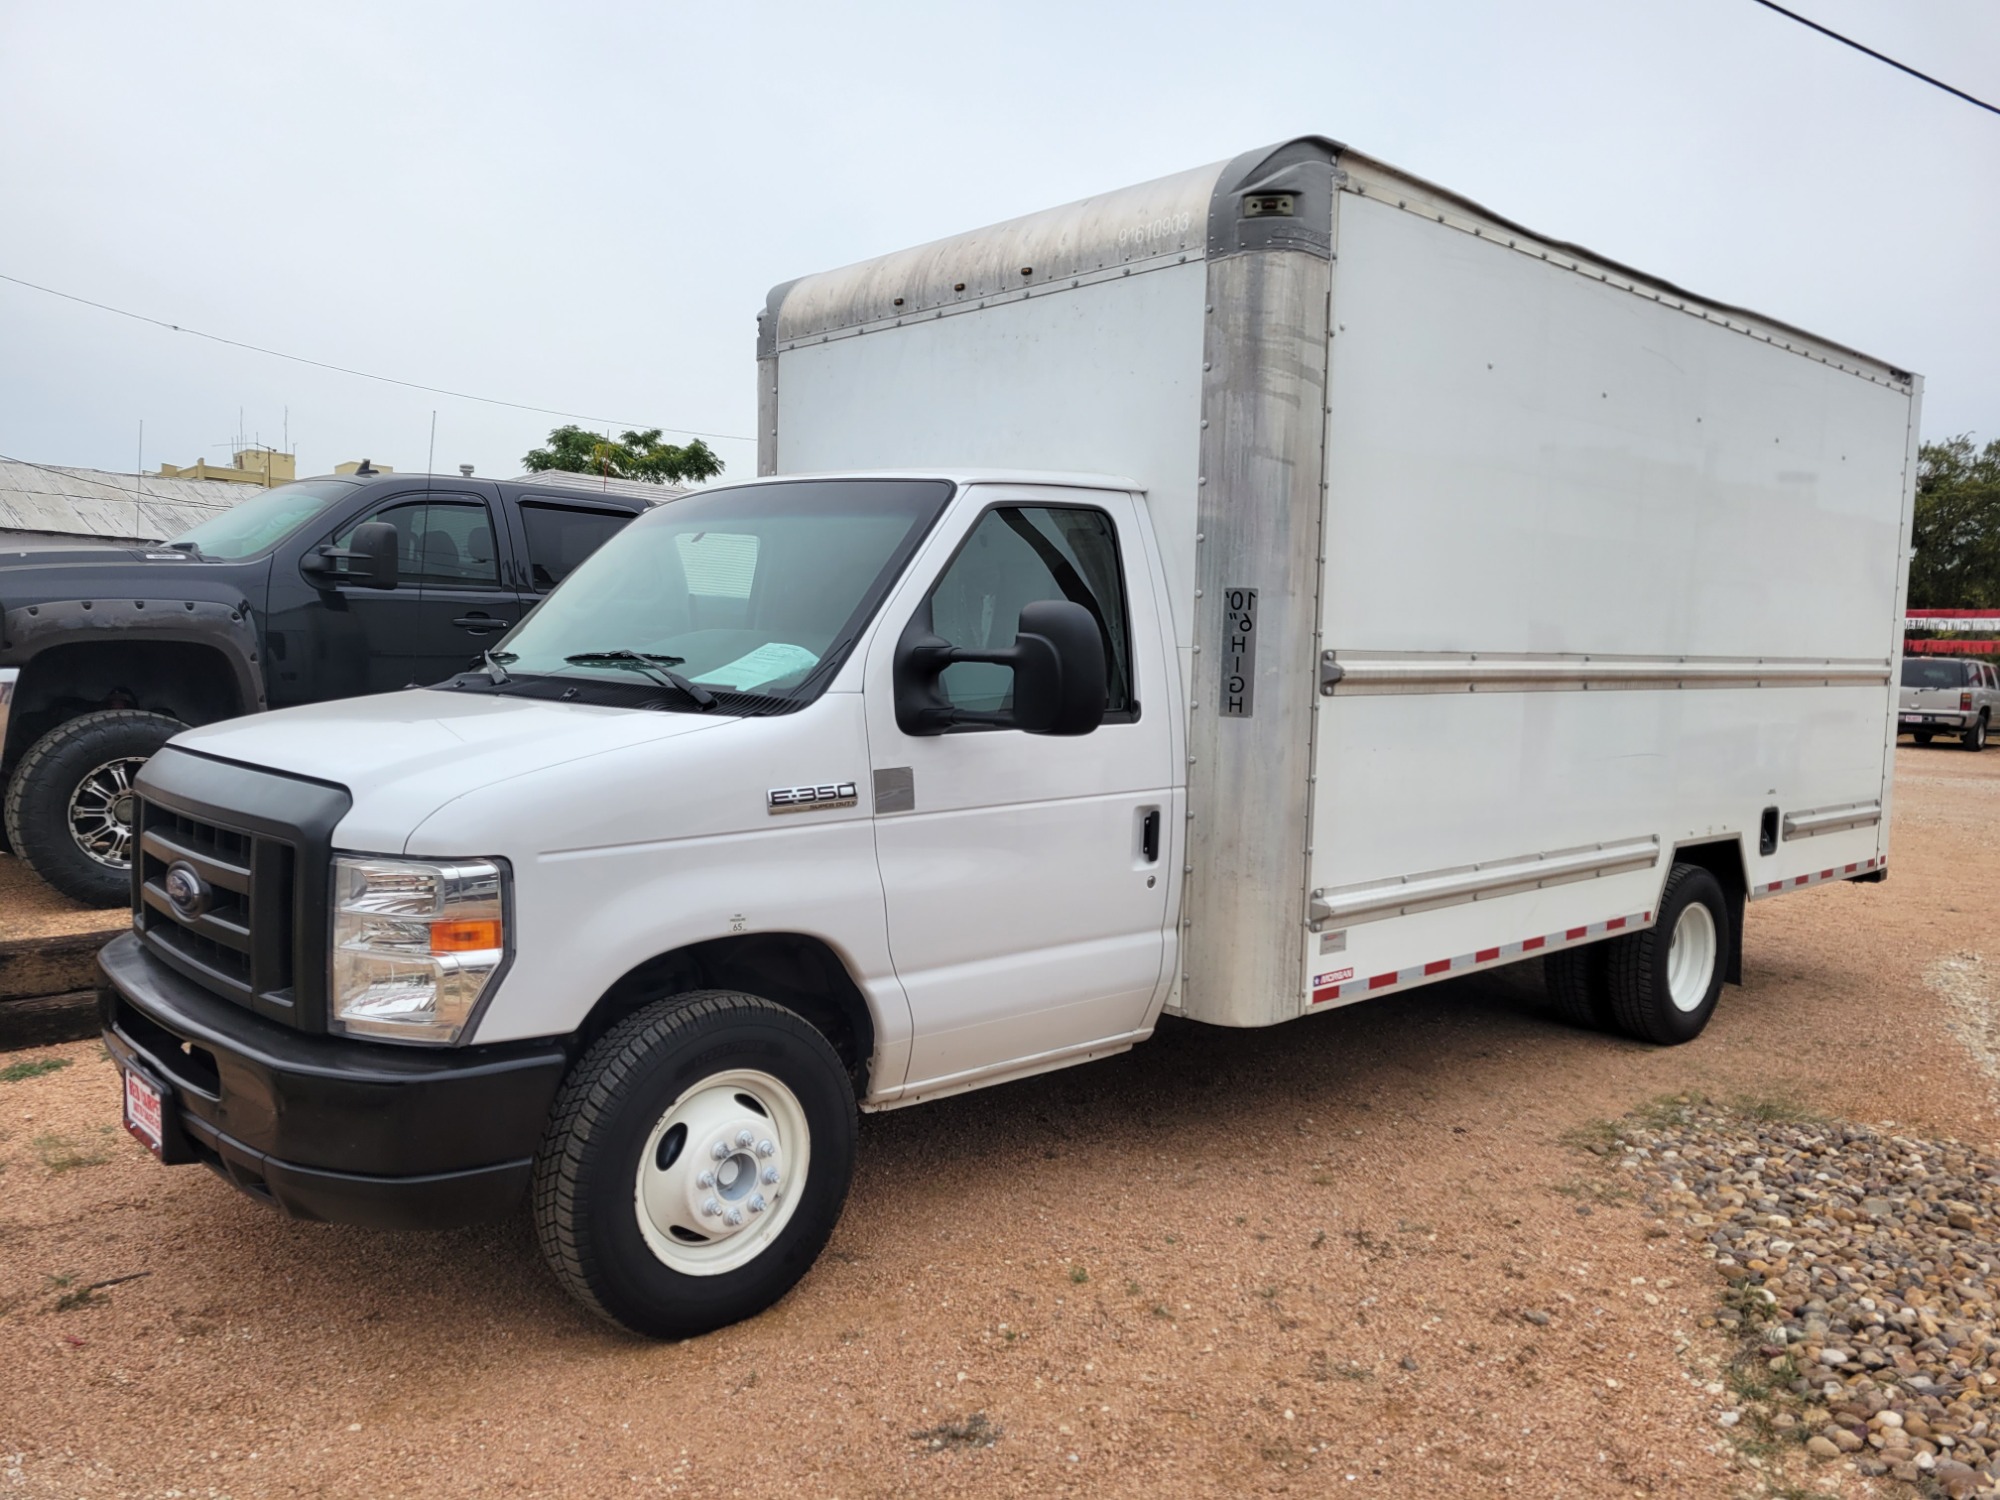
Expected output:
{"points": [[321, 589]]}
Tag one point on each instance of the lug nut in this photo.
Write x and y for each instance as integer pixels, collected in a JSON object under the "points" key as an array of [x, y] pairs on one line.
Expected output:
{"points": [[734, 1216], [719, 1150], [710, 1207], [744, 1137], [770, 1176], [706, 1180], [757, 1204], [767, 1148]]}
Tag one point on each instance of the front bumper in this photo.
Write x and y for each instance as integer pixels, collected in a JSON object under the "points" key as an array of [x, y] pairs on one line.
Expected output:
{"points": [[326, 1128]]}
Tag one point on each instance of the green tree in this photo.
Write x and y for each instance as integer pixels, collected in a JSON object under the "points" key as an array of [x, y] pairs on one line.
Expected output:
{"points": [[1955, 547], [636, 455]]}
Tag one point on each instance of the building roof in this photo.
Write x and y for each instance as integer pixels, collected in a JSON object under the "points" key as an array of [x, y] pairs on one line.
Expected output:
{"points": [[114, 507]]}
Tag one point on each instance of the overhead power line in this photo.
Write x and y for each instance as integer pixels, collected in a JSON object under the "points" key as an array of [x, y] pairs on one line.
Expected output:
{"points": [[1848, 41], [320, 364]]}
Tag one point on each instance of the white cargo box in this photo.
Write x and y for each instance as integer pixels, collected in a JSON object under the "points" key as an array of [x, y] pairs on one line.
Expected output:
{"points": [[1500, 572]]}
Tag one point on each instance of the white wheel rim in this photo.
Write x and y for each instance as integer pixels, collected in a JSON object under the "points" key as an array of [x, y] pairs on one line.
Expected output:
{"points": [[722, 1173], [1691, 957], [100, 812]]}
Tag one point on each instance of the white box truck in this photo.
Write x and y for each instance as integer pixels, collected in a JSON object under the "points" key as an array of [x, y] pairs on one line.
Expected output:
{"points": [[1236, 596]]}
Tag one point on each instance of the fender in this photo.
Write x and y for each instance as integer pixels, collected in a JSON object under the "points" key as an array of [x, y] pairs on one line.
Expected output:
{"points": [[28, 631]]}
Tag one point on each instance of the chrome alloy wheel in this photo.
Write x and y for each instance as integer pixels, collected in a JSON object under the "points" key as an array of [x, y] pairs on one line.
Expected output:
{"points": [[101, 811], [721, 1172], [1691, 957]]}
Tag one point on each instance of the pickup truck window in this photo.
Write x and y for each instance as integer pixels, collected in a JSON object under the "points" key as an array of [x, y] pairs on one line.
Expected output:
{"points": [[1930, 672], [560, 537], [263, 521], [1015, 556], [439, 543], [758, 590]]}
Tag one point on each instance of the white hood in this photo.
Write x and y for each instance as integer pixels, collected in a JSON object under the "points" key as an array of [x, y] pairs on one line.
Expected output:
{"points": [[404, 755]]}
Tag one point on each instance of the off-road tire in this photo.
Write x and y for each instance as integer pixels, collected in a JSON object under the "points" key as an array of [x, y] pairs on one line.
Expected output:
{"points": [[38, 798], [1642, 1005], [585, 1170], [1578, 986], [1974, 738]]}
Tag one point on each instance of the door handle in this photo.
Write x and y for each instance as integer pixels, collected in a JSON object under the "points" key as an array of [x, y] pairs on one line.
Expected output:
{"points": [[480, 624], [1149, 836]]}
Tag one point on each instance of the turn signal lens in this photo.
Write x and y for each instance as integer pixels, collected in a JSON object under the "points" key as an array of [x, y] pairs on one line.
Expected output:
{"points": [[465, 937]]}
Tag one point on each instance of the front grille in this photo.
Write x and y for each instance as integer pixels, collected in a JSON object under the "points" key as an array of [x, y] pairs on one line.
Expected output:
{"points": [[239, 943]]}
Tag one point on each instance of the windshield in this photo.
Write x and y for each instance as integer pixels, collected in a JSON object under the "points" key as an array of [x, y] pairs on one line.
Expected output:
{"points": [[1918, 673], [265, 520], [755, 590]]}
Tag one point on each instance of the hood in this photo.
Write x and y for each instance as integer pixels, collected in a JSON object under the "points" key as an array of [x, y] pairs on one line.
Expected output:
{"points": [[404, 755], [47, 575]]}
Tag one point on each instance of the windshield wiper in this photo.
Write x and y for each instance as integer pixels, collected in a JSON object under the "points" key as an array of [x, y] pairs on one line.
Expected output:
{"points": [[659, 668]]}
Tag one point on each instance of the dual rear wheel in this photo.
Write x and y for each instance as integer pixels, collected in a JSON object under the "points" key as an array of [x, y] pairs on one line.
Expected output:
{"points": [[1659, 984]]}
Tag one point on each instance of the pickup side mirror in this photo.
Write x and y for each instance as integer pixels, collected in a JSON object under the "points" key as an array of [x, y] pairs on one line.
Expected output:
{"points": [[1058, 664], [372, 561]]}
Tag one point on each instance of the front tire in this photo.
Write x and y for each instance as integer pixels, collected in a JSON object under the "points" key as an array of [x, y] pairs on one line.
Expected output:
{"points": [[1975, 737], [69, 805], [1664, 981], [695, 1163]]}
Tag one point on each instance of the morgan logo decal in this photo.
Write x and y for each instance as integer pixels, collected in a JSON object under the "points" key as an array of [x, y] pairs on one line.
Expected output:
{"points": [[787, 799]]}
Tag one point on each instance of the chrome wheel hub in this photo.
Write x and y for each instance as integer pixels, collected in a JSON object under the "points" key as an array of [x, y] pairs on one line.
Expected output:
{"points": [[101, 811]]}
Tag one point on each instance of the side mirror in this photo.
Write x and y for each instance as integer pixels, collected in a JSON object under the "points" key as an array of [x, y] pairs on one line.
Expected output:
{"points": [[373, 561], [1058, 664]]}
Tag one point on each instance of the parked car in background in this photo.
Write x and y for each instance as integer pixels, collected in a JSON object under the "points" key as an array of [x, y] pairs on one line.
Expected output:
{"points": [[1948, 695], [321, 589]]}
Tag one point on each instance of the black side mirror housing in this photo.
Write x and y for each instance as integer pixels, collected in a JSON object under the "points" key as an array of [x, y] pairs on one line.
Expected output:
{"points": [[1058, 664], [373, 561]]}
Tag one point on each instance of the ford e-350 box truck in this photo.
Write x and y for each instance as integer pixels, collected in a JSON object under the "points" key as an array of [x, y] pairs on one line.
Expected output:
{"points": [[1275, 586]]}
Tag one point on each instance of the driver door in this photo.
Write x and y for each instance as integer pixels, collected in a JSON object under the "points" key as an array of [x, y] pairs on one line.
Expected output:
{"points": [[1023, 874]]}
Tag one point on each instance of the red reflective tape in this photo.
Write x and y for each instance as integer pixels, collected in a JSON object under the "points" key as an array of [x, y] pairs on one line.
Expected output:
{"points": [[1380, 980], [1614, 924], [1800, 879], [1852, 868], [1576, 932], [1532, 943], [1331, 992], [1485, 955], [1776, 885], [1437, 966], [1826, 874]]}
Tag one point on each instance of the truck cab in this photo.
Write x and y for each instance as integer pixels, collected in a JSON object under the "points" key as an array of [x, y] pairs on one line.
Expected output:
{"points": [[322, 589]]}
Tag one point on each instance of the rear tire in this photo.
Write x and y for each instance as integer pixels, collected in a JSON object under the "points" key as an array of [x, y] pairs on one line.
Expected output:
{"points": [[695, 1163], [1664, 981], [1975, 737], [1579, 987], [69, 804]]}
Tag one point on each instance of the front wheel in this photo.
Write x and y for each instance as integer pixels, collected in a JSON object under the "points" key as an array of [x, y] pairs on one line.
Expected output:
{"points": [[69, 805], [1664, 981], [695, 1163]]}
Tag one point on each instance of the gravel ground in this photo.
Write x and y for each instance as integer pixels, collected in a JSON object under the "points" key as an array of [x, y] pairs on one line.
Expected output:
{"points": [[1863, 1267], [1360, 1255]]}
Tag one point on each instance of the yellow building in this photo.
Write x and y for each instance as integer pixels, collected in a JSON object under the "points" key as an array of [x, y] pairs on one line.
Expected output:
{"points": [[265, 466]]}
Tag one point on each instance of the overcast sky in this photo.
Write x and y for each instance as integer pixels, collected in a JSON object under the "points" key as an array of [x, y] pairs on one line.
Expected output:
{"points": [[582, 207]]}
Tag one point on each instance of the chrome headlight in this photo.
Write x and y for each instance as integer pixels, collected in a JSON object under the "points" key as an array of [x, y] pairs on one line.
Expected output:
{"points": [[415, 944]]}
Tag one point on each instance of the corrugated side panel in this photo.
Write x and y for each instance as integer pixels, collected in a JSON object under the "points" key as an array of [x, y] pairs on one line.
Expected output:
{"points": [[1528, 464]]}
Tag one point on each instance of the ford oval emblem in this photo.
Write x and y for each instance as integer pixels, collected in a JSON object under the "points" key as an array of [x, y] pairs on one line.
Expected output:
{"points": [[188, 892]]}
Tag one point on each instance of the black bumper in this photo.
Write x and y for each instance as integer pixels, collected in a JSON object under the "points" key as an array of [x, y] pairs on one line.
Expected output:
{"points": [[326, 1128]]}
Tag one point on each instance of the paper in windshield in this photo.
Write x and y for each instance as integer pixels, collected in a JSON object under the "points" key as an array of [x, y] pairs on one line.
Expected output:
{"points": [[767, 663]]}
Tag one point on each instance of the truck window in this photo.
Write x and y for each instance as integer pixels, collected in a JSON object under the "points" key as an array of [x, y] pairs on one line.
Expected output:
{"points": [[440, 543], [560, 537], [1015, 556], [261, 522], [1933, 672]]}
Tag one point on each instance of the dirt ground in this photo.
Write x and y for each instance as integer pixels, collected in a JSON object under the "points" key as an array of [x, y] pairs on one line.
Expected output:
{"points": [[1292, 1261], [29, 909]]}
